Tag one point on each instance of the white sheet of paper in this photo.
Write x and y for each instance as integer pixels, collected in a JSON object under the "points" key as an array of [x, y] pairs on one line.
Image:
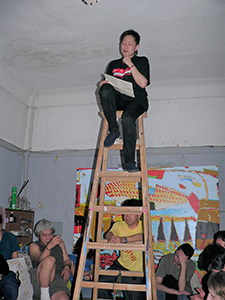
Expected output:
{"points": [[122, 86]]}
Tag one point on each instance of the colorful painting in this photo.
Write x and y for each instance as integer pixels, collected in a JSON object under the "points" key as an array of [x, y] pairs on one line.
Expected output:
{"points": [[184, 205]]}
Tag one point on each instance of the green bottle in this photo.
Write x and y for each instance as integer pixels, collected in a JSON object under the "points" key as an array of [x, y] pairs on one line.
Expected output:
{"points": [[13, 198]]}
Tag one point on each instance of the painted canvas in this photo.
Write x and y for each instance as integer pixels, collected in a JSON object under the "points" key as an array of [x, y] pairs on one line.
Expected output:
{"points": [[184, 204]]}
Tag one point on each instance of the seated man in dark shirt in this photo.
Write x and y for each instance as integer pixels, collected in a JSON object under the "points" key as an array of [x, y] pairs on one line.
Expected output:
{"points": [[8, 249], [174, 273], [51, 263]]}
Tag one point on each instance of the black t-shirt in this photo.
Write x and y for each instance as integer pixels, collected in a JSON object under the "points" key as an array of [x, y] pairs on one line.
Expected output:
{"points": [[120, 70]]}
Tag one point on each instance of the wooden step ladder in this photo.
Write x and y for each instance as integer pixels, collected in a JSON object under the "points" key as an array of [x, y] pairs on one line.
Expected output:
{"points": [[103, 175]]}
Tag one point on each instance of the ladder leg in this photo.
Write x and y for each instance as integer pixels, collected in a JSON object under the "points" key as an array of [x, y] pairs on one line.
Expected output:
{"points": [[88, 226], [149, 258], [100, 222]]}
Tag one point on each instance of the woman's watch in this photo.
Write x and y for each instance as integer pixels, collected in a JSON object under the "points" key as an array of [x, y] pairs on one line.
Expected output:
{"points": [[125, 240]]}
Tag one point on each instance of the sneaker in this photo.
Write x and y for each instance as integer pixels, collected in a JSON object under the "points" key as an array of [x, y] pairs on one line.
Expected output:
{"points": [[110, 139], [131, 167]]}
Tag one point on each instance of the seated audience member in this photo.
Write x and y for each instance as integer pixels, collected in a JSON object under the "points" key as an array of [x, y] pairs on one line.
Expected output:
{"points": [[219, 238], [89, 264], [218, 262], [8, 249], [9, 245], [8, 283], [216, 286], [213, 261], [51, 264], [174, 273], [208, 254], [128, 231]]}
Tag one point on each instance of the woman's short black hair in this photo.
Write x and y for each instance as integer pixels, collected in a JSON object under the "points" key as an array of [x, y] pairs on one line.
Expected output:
{"points": [[1, 220], [133, 33]]}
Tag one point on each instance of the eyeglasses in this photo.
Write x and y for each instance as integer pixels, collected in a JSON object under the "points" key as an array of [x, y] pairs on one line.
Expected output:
{"points": [[46, 234]]}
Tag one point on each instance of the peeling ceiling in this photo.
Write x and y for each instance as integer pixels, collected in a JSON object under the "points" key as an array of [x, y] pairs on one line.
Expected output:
{"points": [[53, 44]]}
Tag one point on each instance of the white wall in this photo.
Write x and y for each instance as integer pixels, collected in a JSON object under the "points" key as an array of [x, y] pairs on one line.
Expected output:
{"points": [[14, 107], [184, 115], [13, 119]]}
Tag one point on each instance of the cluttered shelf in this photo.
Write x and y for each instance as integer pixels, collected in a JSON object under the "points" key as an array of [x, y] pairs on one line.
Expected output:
{"points": [[20, 223]]}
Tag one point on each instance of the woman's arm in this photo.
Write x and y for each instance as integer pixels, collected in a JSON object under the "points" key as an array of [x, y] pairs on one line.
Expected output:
{"points": [[138, 77]]}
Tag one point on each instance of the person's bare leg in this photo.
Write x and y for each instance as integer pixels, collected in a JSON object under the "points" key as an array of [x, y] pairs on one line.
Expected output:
{"points": [[46, 271], [45, 276], [60, 295]]}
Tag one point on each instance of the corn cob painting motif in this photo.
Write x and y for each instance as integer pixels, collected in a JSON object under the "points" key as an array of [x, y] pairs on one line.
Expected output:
{"points": [[184, 204]]}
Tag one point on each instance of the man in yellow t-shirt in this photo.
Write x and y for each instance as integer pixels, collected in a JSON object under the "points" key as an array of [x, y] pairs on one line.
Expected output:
{"points": [[128, 231]]}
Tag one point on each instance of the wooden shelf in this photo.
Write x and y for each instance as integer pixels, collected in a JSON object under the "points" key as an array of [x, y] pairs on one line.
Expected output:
{"points": [[23, 225]]}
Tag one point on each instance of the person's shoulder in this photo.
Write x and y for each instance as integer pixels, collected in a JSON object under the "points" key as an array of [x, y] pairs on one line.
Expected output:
{"points": [[119, 224], [115, 62], [141, 58], [90, 260], [168, 256], [9, 235], [33, 244], [191, 262], [73, 257]]}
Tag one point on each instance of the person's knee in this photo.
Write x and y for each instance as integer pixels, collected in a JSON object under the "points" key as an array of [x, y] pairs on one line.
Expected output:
{"points": [[60, 295], [161, 295], [48, 263], [182, 297], [64, 296], [105, 91], [127, 120]]}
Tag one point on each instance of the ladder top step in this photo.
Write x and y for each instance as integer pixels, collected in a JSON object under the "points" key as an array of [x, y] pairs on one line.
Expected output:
{"points": [[119, 114]]}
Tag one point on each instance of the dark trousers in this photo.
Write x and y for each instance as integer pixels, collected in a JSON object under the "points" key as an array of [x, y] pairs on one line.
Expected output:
{"points": [[9, 286], [111, 102], [128, 295]]}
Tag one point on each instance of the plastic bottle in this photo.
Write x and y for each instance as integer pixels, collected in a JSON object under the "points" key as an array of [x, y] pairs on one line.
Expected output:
{"points": [[13, 199]]}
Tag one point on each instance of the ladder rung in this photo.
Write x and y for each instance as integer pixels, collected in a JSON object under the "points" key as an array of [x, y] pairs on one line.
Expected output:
{"points": [[104, 245], [119, 146], [121, 175], [120, 142], [119, 114], [123, 273], [113, 286], [119, 209]]}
